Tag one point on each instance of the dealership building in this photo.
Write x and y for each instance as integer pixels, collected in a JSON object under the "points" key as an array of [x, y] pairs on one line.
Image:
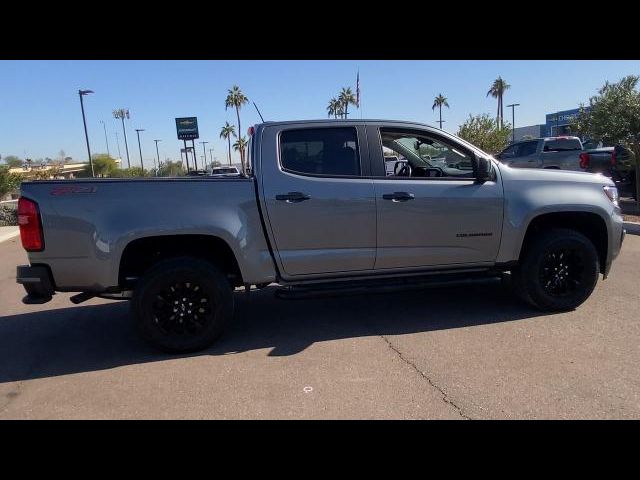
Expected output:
{"points": [[557, 123]]}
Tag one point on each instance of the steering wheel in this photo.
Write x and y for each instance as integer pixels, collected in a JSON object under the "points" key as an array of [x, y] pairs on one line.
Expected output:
{"points": [[404, 170]]}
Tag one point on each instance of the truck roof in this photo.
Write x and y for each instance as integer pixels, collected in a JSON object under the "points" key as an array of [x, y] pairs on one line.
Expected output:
{"points": [[340, 121]]}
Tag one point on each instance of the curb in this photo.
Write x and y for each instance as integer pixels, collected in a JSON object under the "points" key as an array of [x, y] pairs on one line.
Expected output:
{"points": [[632, 228]]}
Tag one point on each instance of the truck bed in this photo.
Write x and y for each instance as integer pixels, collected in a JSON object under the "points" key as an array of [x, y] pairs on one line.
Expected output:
{"points": [[88, 223]]}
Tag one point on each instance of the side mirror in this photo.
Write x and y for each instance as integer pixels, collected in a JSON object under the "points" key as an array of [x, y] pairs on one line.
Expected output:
{"points": [[483, 169]]}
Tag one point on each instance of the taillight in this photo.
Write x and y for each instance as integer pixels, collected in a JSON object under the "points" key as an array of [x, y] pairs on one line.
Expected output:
{"points": [[613, 158], [584, 160], [30, 225]]}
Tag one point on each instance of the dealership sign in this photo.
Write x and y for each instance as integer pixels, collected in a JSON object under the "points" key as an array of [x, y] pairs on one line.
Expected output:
{"points": [[187, 128]]}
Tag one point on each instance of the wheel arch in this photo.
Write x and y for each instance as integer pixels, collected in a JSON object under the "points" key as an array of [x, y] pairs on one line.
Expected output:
{"points": [[590, 224], [140, 254]]}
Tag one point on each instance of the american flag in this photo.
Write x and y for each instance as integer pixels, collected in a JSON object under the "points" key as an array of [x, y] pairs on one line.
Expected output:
{"points": [[358, 90]]}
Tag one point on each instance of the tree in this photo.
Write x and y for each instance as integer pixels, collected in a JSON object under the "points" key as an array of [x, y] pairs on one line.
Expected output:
{"points": [[440, 102], [12, 161], [9, 182], [497, 91], [346, 98], [485, 133], [334, 108], [227, 132], [235, 98], [103, 165], [216, 164], [131, 172], [614, 118], [171, 169], [240, 145]]}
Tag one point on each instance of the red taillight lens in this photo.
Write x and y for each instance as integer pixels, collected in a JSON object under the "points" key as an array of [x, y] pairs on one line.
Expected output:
{"points": [[30, 225], [613, 158], [584, 160]]}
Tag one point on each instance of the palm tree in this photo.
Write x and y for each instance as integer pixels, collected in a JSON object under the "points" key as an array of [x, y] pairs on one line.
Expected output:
{"points": [[240, 145], [235, 98], [497, 91], [346, 98], [332, 108], [439, 102], [227, 132]]}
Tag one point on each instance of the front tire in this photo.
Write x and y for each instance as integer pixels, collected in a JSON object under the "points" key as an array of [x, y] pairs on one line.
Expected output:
{"points": [[182, 305], [558, 271]]}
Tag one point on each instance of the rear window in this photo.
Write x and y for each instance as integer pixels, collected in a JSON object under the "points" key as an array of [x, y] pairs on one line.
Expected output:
{"points": [[320, 151], [562, 145]]}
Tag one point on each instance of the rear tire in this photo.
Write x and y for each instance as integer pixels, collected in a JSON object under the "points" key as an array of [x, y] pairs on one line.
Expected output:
{"points": [[182, 305], [558, 271]]}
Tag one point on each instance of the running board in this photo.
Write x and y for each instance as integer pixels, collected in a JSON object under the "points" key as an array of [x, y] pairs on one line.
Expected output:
{"points": [[383, 285]]}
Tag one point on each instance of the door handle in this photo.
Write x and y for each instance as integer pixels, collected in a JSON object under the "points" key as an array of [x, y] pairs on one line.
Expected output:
{"points": [[398, 196], [292, 197]]}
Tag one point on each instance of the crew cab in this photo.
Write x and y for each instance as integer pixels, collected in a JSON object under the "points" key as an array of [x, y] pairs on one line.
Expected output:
{"points": [[315, 211]]}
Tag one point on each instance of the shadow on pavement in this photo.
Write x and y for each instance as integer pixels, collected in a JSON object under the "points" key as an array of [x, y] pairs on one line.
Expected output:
{"points": [[95, 337]]}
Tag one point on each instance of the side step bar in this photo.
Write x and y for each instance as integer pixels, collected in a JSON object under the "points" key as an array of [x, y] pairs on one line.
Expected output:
{"points": [[384, 285]]}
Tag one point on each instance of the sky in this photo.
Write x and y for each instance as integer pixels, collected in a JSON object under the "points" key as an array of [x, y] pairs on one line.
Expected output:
{"points": [[40, 108]]}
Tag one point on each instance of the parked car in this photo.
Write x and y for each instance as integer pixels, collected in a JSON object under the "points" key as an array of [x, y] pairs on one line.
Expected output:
{"points": [[224, 171], [551, 152], [568, 153], [617, 163], [317, 214], [196, 173]]}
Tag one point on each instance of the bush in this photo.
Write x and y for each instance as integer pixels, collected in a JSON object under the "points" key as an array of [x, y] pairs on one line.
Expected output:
{"points": [[8, 214], [484, 132], [9, 182]]}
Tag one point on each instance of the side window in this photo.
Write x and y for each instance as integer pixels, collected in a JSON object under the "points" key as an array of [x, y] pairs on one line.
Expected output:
{"points": [[508, 152], [320, 151], [418, 154], [528, 148]]}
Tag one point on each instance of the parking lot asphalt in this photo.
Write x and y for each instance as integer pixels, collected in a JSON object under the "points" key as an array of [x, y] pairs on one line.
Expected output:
{"points": [[452, 352]]}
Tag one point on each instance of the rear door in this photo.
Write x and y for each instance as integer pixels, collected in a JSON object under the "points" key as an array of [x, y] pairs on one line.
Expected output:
{"points": [[562, 153], [320, 206], [527, 155]]}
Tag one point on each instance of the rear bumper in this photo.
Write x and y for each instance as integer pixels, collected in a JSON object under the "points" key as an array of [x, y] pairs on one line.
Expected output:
{"points": [[36, 280]]}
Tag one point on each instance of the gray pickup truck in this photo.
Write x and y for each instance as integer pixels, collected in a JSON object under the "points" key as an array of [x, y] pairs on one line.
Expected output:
{"points": [[315, 211], [551, 152]]}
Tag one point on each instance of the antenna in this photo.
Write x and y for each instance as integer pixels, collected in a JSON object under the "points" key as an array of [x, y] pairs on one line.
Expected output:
{"points": [[254, 104]]}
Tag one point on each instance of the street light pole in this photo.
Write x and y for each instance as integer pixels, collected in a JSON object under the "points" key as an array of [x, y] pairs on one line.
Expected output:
{"points": [[118, 142], [513, 121], [121, 113], [205, 153], [105, 137], [158, 154], [138, 130], [211, 156], [81, 93]]}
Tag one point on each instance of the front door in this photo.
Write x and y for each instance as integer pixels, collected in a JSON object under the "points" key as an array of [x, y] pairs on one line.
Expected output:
{"points": [[433, 213], [321, 211]]}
